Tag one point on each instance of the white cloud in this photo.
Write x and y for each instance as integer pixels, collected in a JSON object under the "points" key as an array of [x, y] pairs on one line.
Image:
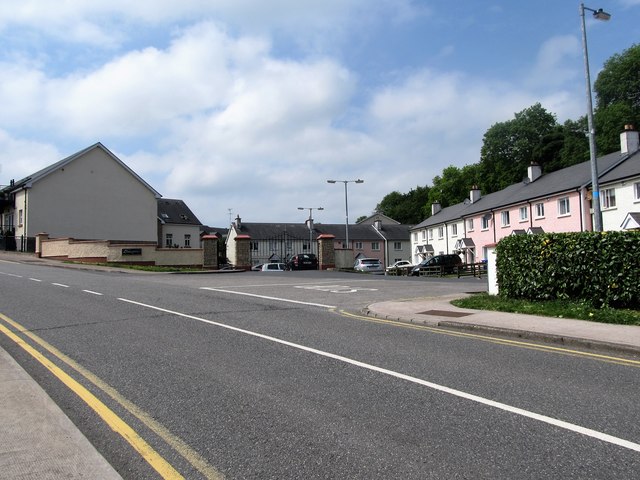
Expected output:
{"points": [[555, 63]]}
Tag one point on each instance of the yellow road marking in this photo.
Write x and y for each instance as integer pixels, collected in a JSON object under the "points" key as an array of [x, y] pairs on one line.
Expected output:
{"points": [[197, 461], [503, 341]]}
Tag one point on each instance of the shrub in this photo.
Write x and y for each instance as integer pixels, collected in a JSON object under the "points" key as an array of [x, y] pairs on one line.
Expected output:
{"points": [[600, 268]]}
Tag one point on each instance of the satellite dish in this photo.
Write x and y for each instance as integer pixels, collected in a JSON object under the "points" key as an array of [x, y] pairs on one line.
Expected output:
{"points": [[487, 216], [467, 201], [526, 180]]}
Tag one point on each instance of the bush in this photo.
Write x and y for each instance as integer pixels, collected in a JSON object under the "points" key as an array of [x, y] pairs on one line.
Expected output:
{"points": [[602, 269]]}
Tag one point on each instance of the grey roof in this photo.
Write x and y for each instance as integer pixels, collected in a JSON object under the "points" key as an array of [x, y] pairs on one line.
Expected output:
{"points": [[34, 177], [629, 168], [447, 214], [357, 232], [176, 212]]}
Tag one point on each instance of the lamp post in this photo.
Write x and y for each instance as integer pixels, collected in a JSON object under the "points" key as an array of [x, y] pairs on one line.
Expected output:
{"points": [[595, 186], [310, 224], [346, 205]]}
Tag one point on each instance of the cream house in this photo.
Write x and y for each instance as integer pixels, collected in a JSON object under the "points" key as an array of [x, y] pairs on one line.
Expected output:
{"points": [[178, 227], [91, 194]]}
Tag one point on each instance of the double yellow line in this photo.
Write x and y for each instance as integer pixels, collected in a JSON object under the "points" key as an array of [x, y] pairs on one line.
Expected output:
{"points": [[155, 460]]}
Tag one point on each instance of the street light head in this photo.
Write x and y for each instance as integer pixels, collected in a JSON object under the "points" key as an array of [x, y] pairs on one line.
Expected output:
{"points": [[331, 181], [320, 208], [601, 15], [359, 181], [300, 208]]}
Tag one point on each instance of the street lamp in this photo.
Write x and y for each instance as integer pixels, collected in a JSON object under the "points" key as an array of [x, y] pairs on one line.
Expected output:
{"points": [[346, 205], [310, 224], [595, 186]]}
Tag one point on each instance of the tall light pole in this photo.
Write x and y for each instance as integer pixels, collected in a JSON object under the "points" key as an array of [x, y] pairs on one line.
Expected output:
{"points": [[346, 205], [311, 209], [595, 186]]}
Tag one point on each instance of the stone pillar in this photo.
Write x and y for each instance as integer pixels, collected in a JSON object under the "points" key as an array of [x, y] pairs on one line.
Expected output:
{"points": [[243, 253], [326, 252], [210, 251], [39, 238]]}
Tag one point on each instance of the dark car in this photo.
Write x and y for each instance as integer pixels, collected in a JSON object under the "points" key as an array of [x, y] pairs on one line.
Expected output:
{"points": [[303, 261], [447, 264]]}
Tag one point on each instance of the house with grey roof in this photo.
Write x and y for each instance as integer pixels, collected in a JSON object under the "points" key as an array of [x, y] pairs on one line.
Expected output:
{"points": [[178, 227], [91, 194], [556, 202]]}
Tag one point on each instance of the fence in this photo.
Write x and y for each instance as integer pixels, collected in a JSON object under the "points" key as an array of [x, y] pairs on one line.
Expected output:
{"points": [[11, 243]]}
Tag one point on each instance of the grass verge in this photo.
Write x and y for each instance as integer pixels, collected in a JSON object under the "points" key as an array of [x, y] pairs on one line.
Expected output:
{"points": [[551, 308]]}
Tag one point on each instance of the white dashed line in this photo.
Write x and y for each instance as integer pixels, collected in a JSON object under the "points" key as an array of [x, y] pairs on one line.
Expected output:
{"points": [[92, 292], [35, 279], [60, 285]]}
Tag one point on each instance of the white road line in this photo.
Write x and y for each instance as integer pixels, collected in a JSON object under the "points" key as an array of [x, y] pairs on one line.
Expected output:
{"points": [[35, 279], [268, 298], [92, 292], [451, 391], [60, 285], [11, 275]]}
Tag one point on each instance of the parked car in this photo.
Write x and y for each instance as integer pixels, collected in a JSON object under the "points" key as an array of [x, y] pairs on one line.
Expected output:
{"points": [[303, 261], [257, 268], [370, 265], [274, 267], [448, 263], [400, 264]]}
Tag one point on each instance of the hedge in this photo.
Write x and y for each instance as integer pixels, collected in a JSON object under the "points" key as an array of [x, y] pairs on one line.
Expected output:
{"points": [[599, 268]]}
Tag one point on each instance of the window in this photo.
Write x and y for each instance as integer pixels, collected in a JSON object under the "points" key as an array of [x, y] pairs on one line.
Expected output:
{"points": [[524, 214], [485, 253], [564, 207], [485, 222], [440, 232], [187, 240], [504, 216], [454, 230], [539, 210], [397, 245], [306, 246], [415, 236], [636, 191], [168, 240], [375, 245], [254, 245], [470, 225], [608, 197], [431, 234], [358, 245], [19, 218]]}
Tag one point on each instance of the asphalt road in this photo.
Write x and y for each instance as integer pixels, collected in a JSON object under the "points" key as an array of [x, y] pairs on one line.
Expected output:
{"points": [[259, 375]]}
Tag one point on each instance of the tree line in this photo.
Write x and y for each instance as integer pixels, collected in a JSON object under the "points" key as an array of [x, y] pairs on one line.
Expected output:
{"points": [[533, 135]]}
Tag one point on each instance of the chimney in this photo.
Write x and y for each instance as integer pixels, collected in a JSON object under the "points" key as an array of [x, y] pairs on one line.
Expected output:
{"points": [[378, 225], [474, 194], [435, 207], [238, 223], [629, 140], [534, 171]]}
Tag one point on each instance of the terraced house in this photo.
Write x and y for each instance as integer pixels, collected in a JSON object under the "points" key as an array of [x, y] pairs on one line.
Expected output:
{"points": [[556, 202]]}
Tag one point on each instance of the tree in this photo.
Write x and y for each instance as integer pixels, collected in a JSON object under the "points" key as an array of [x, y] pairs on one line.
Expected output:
{"points": [[508, 147], [617, 90], [409, 208], [454, 185]]}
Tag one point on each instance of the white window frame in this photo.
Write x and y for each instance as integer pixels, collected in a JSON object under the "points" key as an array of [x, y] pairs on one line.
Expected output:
{"points": [[415, 236], [424, 234], [484, 223], [470, 225], [375, 246], [505, 218], [454, 230], [608, 198], [187, 240], [524, 214], [358, 245], [564, 207], [397, 246], [168, 240], [441, 232], [254, 245], [540, 210], [636, 191], [431, 234]]}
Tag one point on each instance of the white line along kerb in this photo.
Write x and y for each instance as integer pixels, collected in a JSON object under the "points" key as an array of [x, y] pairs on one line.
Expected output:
{"points": [[451, 391]]}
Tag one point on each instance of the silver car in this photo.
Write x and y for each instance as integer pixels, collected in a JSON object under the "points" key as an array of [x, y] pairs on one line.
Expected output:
{"points": [[370, 265]]}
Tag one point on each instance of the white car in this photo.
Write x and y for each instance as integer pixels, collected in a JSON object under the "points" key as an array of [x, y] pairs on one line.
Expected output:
{"points": [[274, 267], [403, 264], [369, 265]]}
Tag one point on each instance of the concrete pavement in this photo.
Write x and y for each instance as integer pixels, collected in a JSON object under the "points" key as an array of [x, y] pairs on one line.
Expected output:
{"points": [[438, 312], [38, 441]]}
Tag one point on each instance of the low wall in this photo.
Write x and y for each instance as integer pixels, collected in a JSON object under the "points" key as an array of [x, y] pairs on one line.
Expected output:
{"points": [[103, 251]]}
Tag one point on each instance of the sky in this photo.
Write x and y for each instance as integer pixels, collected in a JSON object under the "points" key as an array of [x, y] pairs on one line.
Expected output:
{"points": [[247, 107]]}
